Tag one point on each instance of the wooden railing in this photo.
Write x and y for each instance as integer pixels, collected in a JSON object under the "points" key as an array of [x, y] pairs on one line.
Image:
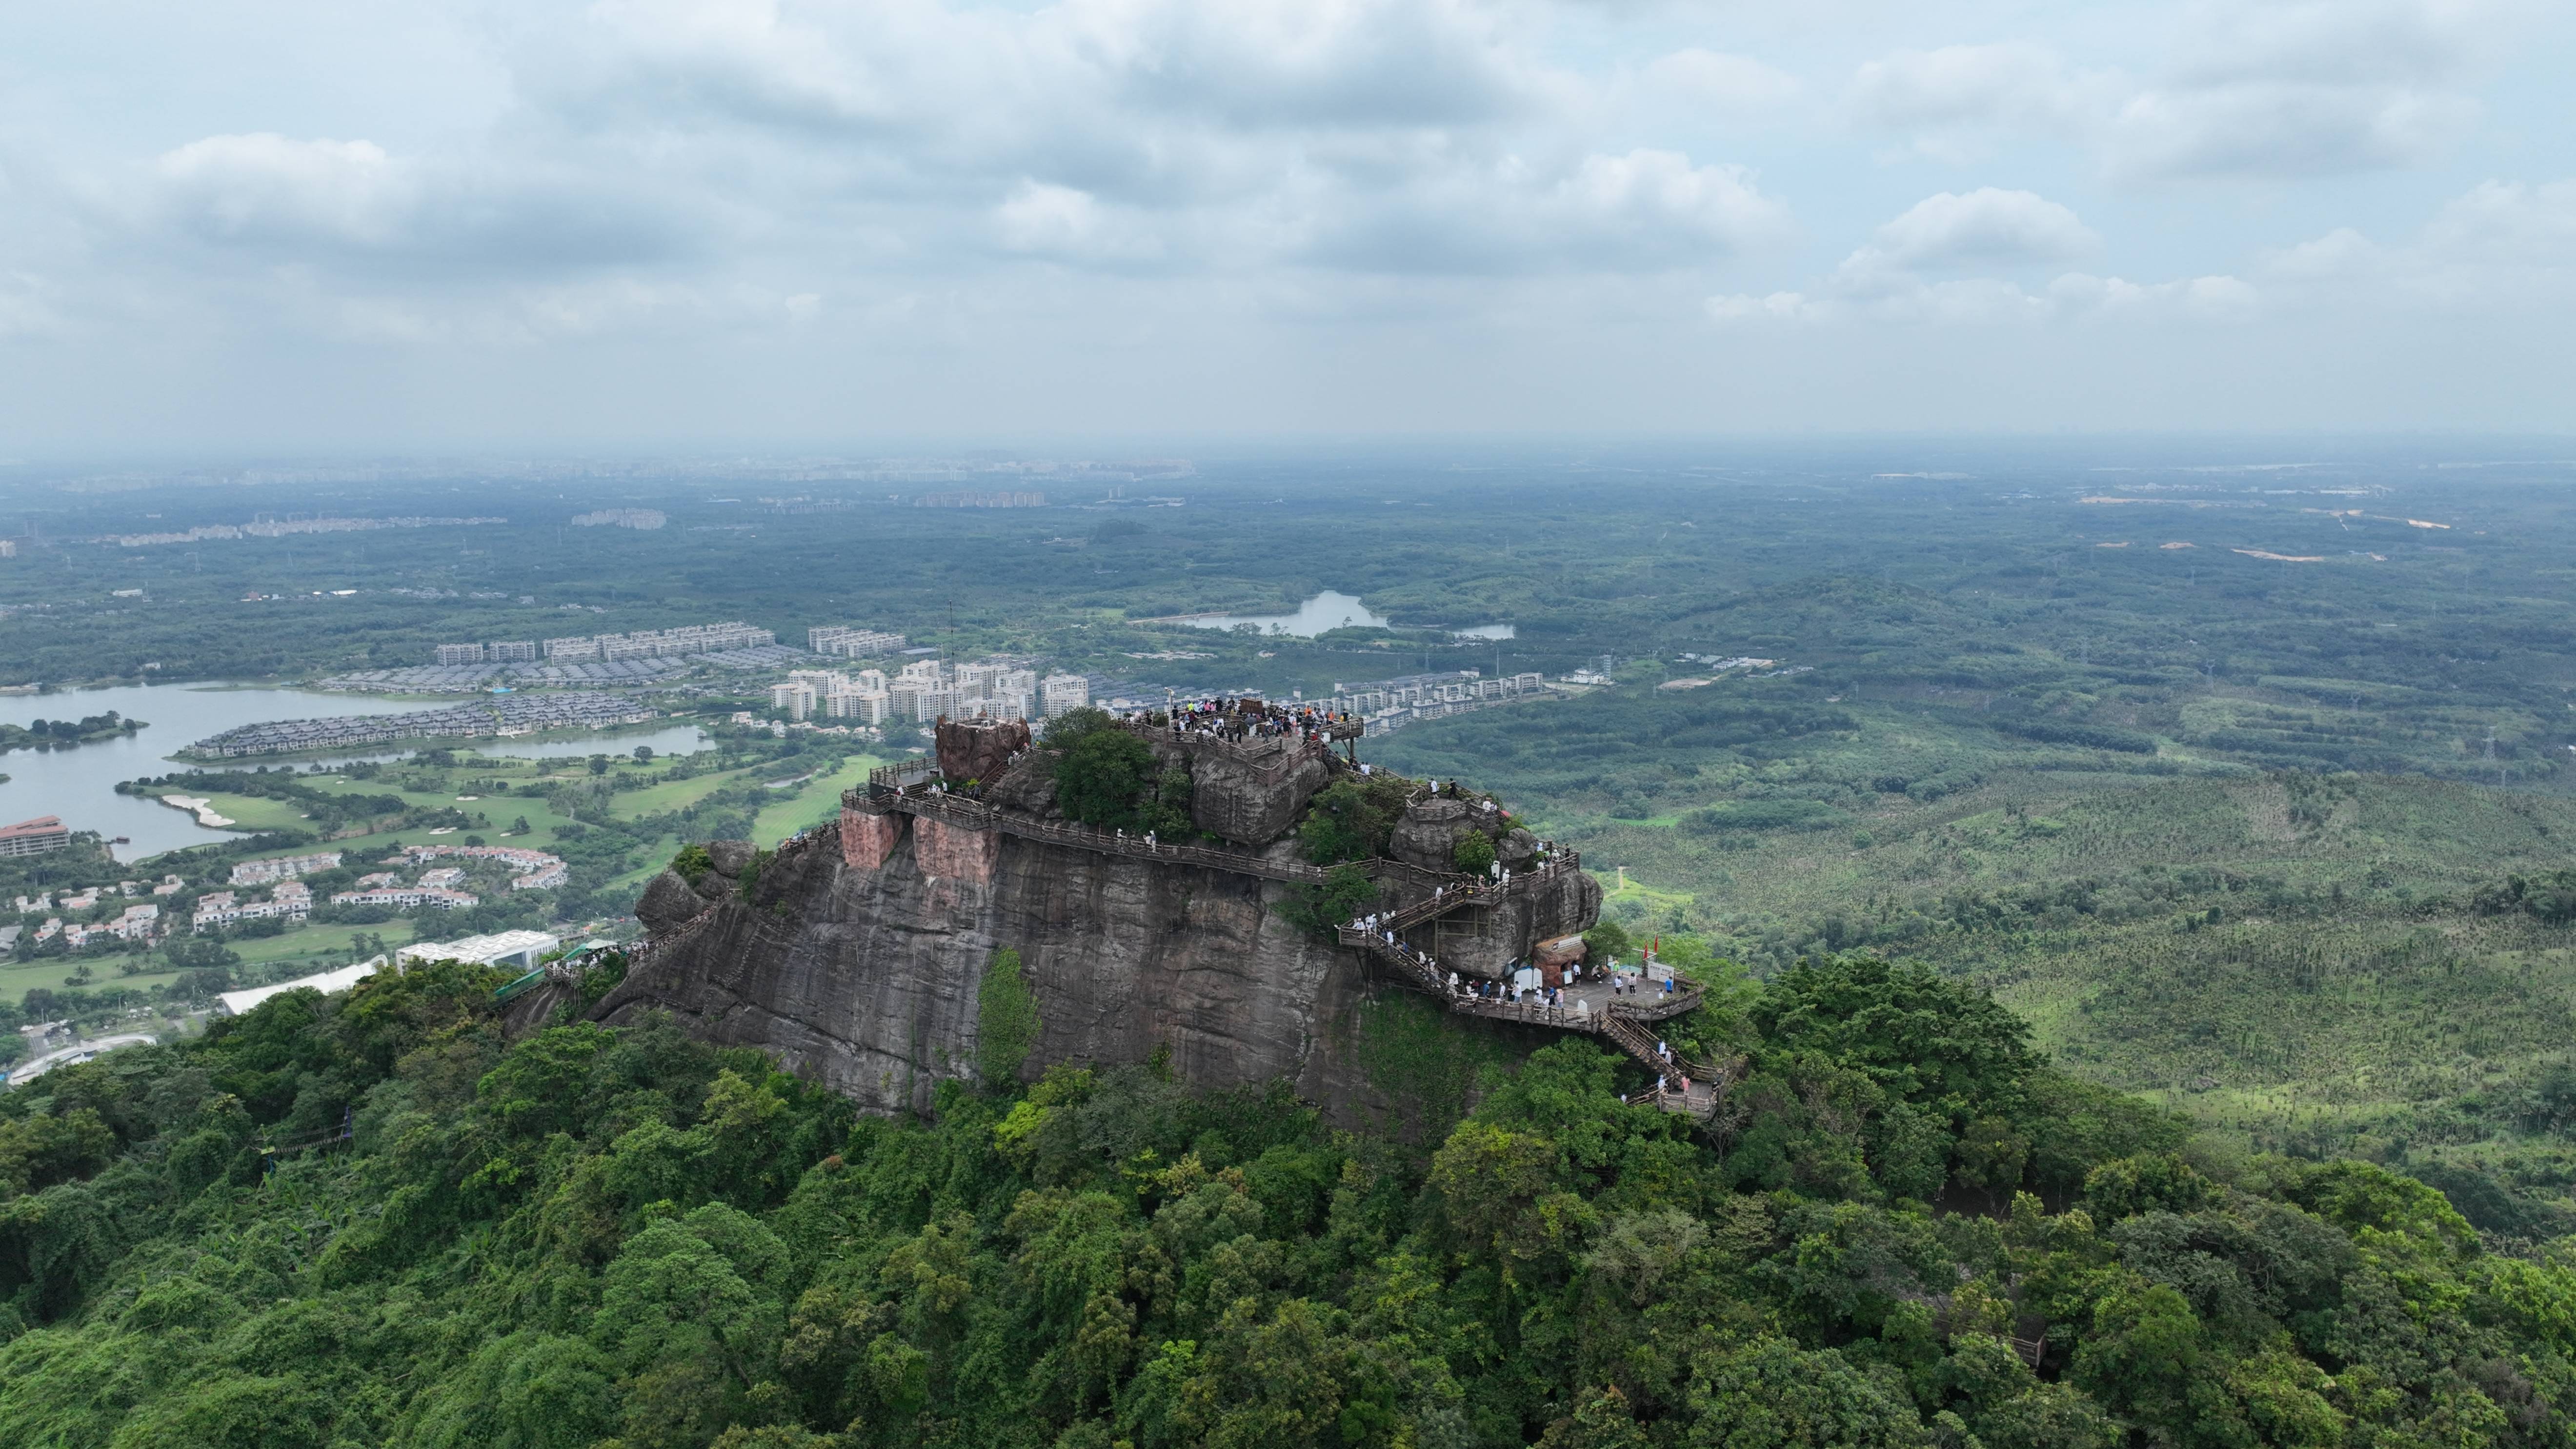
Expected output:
{"points": [[950, 809], [1449, 892], [1268, 766], [903, 772]]}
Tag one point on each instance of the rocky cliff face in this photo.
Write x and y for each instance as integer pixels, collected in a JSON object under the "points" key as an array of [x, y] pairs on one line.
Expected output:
{"points": [[856, 954], [864, 971]]}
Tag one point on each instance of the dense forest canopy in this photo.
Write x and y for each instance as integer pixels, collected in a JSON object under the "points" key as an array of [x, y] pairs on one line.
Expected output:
{"points": [[1908, 1229]]}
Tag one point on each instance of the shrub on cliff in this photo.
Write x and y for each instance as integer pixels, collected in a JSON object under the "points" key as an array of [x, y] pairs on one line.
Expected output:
{"points": [[1110, 778], [1346, 894], [1102, 775], [1006, 1021], [1066, 729], [1353, 818]]}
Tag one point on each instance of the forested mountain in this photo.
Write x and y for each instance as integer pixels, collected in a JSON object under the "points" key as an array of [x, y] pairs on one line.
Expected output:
{"points": [[1908, 1229]]}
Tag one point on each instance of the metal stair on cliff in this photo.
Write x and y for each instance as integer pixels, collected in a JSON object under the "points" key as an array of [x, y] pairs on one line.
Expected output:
{"points": [[1621, 1023]]}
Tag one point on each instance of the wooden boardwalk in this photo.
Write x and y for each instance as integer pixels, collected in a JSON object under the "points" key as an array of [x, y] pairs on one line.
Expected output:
{"points": [[1623, 1022]]}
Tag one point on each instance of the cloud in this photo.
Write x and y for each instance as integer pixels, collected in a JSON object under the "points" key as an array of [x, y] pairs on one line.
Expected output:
{"points": [[1186, 136], [1887, 281], [2510, 223], [278, 200], [1645, 210], [1299, 63], [2283, 129], [1063, 224], [1992, 301], [1986, 227], [2501, 244], [2275, 89], [1951, 99]]}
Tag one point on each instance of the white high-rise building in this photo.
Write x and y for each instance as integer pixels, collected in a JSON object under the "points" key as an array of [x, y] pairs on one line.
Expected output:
{"points": [[796, 697], [1063, 692], [866, 706]]}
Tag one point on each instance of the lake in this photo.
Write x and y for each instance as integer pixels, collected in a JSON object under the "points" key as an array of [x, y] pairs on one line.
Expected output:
{"points": [[80, 784], [1329, 610]]}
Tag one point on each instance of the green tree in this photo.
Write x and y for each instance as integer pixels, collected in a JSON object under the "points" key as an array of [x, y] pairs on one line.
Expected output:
{"points": [[1006, 1021], [1346, 894], [1607, 941], [1107, 778], [1770, 1394], [1353, 818], [527, 1390]]}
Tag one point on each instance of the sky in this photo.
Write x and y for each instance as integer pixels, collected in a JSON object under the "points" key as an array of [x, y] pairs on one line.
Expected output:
{"points": [[337, 224]]}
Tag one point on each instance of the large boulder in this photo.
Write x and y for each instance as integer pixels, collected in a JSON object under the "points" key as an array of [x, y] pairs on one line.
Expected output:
{"points": [[1429, 832], [731, 858], [1029, 789], [1517, 850], [1562, 905], [667, 903], [1558, 954], [979, 749], [1250, 794]]}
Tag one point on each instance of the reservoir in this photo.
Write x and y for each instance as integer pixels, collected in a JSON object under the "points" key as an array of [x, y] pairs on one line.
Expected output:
{"points": [[1328, 610], [80, 784]]}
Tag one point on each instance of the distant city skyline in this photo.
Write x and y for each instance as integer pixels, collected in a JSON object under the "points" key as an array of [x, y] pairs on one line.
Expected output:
{"points": [[292, 226]]}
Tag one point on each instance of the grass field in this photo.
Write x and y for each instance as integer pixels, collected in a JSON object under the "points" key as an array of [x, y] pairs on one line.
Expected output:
{"points": [[669, 795], [811, 803], [249, 813]]}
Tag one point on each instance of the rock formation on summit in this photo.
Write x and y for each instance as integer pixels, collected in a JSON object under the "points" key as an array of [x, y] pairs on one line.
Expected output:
{"points": [[856, 952]]}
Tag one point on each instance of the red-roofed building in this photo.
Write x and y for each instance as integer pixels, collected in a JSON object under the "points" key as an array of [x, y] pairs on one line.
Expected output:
{"points": [[35, 837]]}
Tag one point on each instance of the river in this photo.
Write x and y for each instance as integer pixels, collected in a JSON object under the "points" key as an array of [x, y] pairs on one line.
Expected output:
{"points": [[80, 784]]}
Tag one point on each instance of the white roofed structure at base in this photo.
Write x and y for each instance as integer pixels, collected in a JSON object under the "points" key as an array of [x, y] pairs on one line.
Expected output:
{"points": [[234, 1003], [518, 949]]}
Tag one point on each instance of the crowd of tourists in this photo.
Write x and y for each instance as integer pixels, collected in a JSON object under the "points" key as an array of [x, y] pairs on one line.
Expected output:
{"points": [[1236, 721]]}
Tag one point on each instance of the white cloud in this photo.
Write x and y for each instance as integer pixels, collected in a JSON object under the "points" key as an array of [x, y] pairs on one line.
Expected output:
{"points": [[278, 200], [267, 187], [2501, 244], [1985, 227], [1646, 210], [1063, 224], [2510, 223], [1954, 99], [2208, 299], [1993, 301], [2283, 129], [2279, 89], [1896, 277]]}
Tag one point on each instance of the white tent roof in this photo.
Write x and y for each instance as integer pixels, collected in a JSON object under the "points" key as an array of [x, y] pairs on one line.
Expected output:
{"points": [[237, 1002]]}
